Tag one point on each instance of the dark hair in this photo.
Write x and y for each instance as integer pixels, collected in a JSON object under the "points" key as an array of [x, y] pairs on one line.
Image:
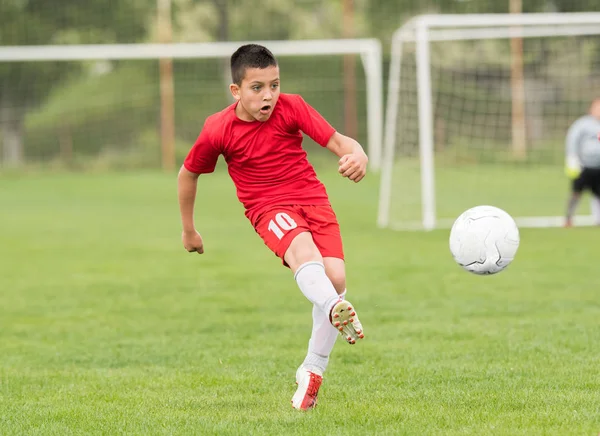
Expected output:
{"points": [[250, 56]]}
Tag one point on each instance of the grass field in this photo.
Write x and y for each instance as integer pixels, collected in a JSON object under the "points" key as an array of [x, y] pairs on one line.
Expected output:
{"points": [[107, 326], [522, 190]]}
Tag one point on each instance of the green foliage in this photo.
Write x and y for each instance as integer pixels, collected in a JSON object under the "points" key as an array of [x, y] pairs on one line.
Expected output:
{"points": [[38, 22], [95, 112], [111, 111], [240, 20], [118, 110]]}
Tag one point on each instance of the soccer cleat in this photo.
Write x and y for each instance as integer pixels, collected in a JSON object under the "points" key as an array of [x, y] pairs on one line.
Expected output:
{"points": [[343, 317], [308, 383]]}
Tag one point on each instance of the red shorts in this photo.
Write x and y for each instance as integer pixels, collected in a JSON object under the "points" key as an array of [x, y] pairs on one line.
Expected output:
{"points": [[279, 225]]}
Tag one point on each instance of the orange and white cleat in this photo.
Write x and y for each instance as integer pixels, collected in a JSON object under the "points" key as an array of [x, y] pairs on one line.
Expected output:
{"points": [[308, 383], [343, 317]]}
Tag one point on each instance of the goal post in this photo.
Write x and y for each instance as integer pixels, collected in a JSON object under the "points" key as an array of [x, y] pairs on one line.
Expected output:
{"points": [[369, 51], [448, 132]]}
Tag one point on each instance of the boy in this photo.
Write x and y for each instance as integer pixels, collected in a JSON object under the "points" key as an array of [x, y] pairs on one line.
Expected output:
{"points": [[260, 137], [583, 161]]}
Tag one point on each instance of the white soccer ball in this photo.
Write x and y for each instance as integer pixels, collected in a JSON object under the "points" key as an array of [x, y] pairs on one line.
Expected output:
{"points": [[484, 240]]}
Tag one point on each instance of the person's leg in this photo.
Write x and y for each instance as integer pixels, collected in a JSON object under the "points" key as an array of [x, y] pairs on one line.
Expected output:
{"points": [[576, 190], [571, 207], [306, 262], [287, 234], [325, 235], [343, 316], [336, 271], [595, 202], [595, 207], [324, 334]]}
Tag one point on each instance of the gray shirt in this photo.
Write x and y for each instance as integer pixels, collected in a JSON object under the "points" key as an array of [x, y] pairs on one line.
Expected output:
{"points": [[582, 141]]}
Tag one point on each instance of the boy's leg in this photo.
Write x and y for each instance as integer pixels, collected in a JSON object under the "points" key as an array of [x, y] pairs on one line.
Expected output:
{"points": [[344, 317], [314, 281], [288, 235], [326, 234], [306, 262], [324, 334], [286, 232]]}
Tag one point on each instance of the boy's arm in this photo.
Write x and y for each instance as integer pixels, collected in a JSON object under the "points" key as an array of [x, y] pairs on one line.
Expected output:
{"points": [[187, 183], [353, 159]]}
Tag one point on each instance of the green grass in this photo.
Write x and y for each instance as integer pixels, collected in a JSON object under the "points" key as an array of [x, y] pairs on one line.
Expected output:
{"points": [[107, 326], [522, 190]]}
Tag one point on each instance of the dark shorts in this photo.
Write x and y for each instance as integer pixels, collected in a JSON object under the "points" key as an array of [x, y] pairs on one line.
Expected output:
{"points": [[588, 179]]}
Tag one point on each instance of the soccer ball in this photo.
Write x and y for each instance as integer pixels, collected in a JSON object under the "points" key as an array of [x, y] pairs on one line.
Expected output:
{"points": [[484, 240]]}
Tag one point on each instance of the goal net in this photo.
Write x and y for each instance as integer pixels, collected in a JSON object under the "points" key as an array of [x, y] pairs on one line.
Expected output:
{"points": [[478, 108], [117, 105]]}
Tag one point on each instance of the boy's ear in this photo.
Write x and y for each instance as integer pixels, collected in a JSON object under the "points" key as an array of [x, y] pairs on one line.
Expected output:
{"points": [[235, 91]]}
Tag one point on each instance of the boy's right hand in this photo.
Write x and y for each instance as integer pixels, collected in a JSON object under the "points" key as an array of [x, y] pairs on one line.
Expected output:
{"points": [[192, 242]]}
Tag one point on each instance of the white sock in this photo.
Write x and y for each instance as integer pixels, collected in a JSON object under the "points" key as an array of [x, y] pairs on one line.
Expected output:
{"points": [[595, 206], [316, 286], [321, 341]]}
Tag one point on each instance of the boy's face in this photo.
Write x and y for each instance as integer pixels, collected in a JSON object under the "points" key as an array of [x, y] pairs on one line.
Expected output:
{"points": [[258, 93]]}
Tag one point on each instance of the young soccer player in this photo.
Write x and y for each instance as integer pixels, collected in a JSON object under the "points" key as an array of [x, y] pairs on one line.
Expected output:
{"points": [[260, 136], [583, 161]]}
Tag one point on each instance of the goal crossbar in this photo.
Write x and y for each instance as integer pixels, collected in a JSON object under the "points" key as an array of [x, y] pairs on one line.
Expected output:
{"points": [[369, 50], [426, 28], [494, 20]]}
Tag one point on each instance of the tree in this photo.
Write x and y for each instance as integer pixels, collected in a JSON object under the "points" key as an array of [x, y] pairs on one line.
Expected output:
{"points": [[24, 85]]}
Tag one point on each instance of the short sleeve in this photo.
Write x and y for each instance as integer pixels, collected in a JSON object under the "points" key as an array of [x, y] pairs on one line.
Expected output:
{"points": [[203, 156], [312, 122]]}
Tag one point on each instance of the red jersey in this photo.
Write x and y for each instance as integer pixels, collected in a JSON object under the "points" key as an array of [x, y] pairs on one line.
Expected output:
{"points": [[265, 160]]}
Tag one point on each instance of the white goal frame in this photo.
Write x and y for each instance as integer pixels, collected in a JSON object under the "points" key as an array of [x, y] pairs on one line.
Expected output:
{"points": [[369, 50], [425, 28]]}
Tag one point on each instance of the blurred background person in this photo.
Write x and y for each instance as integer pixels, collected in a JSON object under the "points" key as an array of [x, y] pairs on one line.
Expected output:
{"points": [[583, 161]]}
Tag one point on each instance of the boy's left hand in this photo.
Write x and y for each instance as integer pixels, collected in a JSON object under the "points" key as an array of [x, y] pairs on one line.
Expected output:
{"points": [[353, 166]]}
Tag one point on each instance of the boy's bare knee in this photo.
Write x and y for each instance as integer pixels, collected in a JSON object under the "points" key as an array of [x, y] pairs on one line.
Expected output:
{"points": [[302, 250], [339, 281], [336, 271]]}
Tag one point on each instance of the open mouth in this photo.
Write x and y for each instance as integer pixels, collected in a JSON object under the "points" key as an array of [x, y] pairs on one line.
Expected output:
{"points": [[265, 109]]}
